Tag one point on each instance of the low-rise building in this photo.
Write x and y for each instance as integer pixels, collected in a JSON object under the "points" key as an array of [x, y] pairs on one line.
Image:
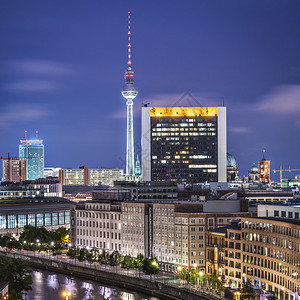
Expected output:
{"points": [[51, 213]]}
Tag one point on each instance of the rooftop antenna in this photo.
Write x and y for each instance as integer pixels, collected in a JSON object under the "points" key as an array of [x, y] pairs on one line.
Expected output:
{"points": [[264, 151], [37, 135], [129, 45], [223, 102], [25, 134]]}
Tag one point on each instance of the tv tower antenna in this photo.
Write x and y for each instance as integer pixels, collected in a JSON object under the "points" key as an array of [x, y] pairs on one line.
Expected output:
{"points": [[129, 92], [129, 45]]}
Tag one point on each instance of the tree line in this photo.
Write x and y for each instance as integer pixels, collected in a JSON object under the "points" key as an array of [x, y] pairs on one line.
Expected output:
{"points": [[148, 266]]}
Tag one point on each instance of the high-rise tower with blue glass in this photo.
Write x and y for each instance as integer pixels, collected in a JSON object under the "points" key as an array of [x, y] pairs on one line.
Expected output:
{"points": [[33, 152]]}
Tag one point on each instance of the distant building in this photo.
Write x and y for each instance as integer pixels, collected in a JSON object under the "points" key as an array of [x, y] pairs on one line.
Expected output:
{"points": [[232, 168], [14, 170], [253, 175], [31, 189], [51, 172], [184, 144], [32, 151], [290, 182], [90, 177], [264, 170]]}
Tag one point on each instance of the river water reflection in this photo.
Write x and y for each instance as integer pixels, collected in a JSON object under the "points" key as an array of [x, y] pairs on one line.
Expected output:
{"points": [[50, 286]]}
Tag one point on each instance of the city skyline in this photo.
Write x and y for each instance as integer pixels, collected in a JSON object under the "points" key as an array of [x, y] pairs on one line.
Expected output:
{"points": [[62, 68]]}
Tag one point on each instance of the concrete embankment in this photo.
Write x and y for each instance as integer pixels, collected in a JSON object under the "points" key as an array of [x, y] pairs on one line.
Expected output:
{"points": [[150, 287]]}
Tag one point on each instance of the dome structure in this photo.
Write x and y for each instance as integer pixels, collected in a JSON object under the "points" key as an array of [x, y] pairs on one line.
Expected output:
{"points": [[231, 162], [253, 169]]}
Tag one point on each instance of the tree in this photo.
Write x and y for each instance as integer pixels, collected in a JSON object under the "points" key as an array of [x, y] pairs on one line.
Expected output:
{"points": [[150, 266], [82, 254], [139, 262], [31, 234], [62, 236], [115, 259], [17, 273], [73, 252], [4, 240], [104, 258], [247, 290], [127, 262]]}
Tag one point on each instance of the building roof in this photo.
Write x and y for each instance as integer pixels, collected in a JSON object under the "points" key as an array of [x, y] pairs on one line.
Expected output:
{"points": [[231, 162], [284, 220], [3, 284], [224, 229]]}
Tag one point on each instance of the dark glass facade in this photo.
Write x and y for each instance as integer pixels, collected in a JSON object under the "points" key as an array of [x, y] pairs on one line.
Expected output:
{"points": [[184, 149]]}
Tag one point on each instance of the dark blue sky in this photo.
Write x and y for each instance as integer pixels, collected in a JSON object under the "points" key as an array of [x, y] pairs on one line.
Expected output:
{"points": [[62, 65]]}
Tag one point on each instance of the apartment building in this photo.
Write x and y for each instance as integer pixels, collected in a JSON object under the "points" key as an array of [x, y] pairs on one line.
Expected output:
{"points": [[179, 231], [136, 229], [96, 225], [265, 251]]}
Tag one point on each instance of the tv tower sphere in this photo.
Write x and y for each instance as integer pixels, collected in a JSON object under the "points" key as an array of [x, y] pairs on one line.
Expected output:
{"points": [[129, 92]]}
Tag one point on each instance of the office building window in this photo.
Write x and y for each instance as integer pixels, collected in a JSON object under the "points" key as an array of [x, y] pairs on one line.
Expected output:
{"points": [[54, 218], [67, 217], [40, 220], [31, 219], [21, 221], [48, 219], [12, 221], [2, 222], [61, 219]]}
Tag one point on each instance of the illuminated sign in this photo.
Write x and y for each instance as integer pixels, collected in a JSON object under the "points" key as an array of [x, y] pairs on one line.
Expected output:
{"points": [[184, 111]]}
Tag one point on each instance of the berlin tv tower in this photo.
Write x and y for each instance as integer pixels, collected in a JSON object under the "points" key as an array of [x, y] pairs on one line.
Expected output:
{"points": [[129, 92]]}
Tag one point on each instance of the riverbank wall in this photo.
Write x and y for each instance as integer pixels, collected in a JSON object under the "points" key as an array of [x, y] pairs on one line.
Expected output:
{"points": [[150, 287]]}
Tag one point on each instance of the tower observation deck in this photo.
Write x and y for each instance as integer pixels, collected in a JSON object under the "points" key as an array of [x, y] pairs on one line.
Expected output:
{"points": [[129, 92]]}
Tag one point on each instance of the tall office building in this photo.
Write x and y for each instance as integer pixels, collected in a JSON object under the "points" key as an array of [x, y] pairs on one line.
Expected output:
{"points": [[184, 144], [14, 170], [129, 92], [32, 151]]}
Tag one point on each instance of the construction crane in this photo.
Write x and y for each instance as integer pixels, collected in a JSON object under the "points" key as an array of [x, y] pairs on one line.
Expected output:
{"points": [[8, 157], [284, 170]]}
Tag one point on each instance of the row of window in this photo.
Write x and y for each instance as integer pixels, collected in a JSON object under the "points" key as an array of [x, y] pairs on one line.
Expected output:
{"points": [[83, 214], [39, 220], [272, 228]]}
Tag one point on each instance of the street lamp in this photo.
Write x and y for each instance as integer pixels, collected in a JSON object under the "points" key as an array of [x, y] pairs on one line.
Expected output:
{"points": [[200, 274], [237, 295], [67, 295], [195, 267]]}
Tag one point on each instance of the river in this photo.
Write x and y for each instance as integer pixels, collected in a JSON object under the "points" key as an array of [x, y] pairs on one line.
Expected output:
{"points": [[48, 285]]}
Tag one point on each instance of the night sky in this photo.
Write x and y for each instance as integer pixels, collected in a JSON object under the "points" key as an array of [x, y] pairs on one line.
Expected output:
{"points": [[62, 67]]}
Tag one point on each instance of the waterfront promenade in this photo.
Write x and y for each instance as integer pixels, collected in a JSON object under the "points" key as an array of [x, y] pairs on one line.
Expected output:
{"points": [[162, 285]]}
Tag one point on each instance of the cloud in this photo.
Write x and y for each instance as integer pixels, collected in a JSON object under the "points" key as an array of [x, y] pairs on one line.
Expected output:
{"points": [[283, 101], [33, 85], [20, 112], [36, 67], [239, 129]]}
